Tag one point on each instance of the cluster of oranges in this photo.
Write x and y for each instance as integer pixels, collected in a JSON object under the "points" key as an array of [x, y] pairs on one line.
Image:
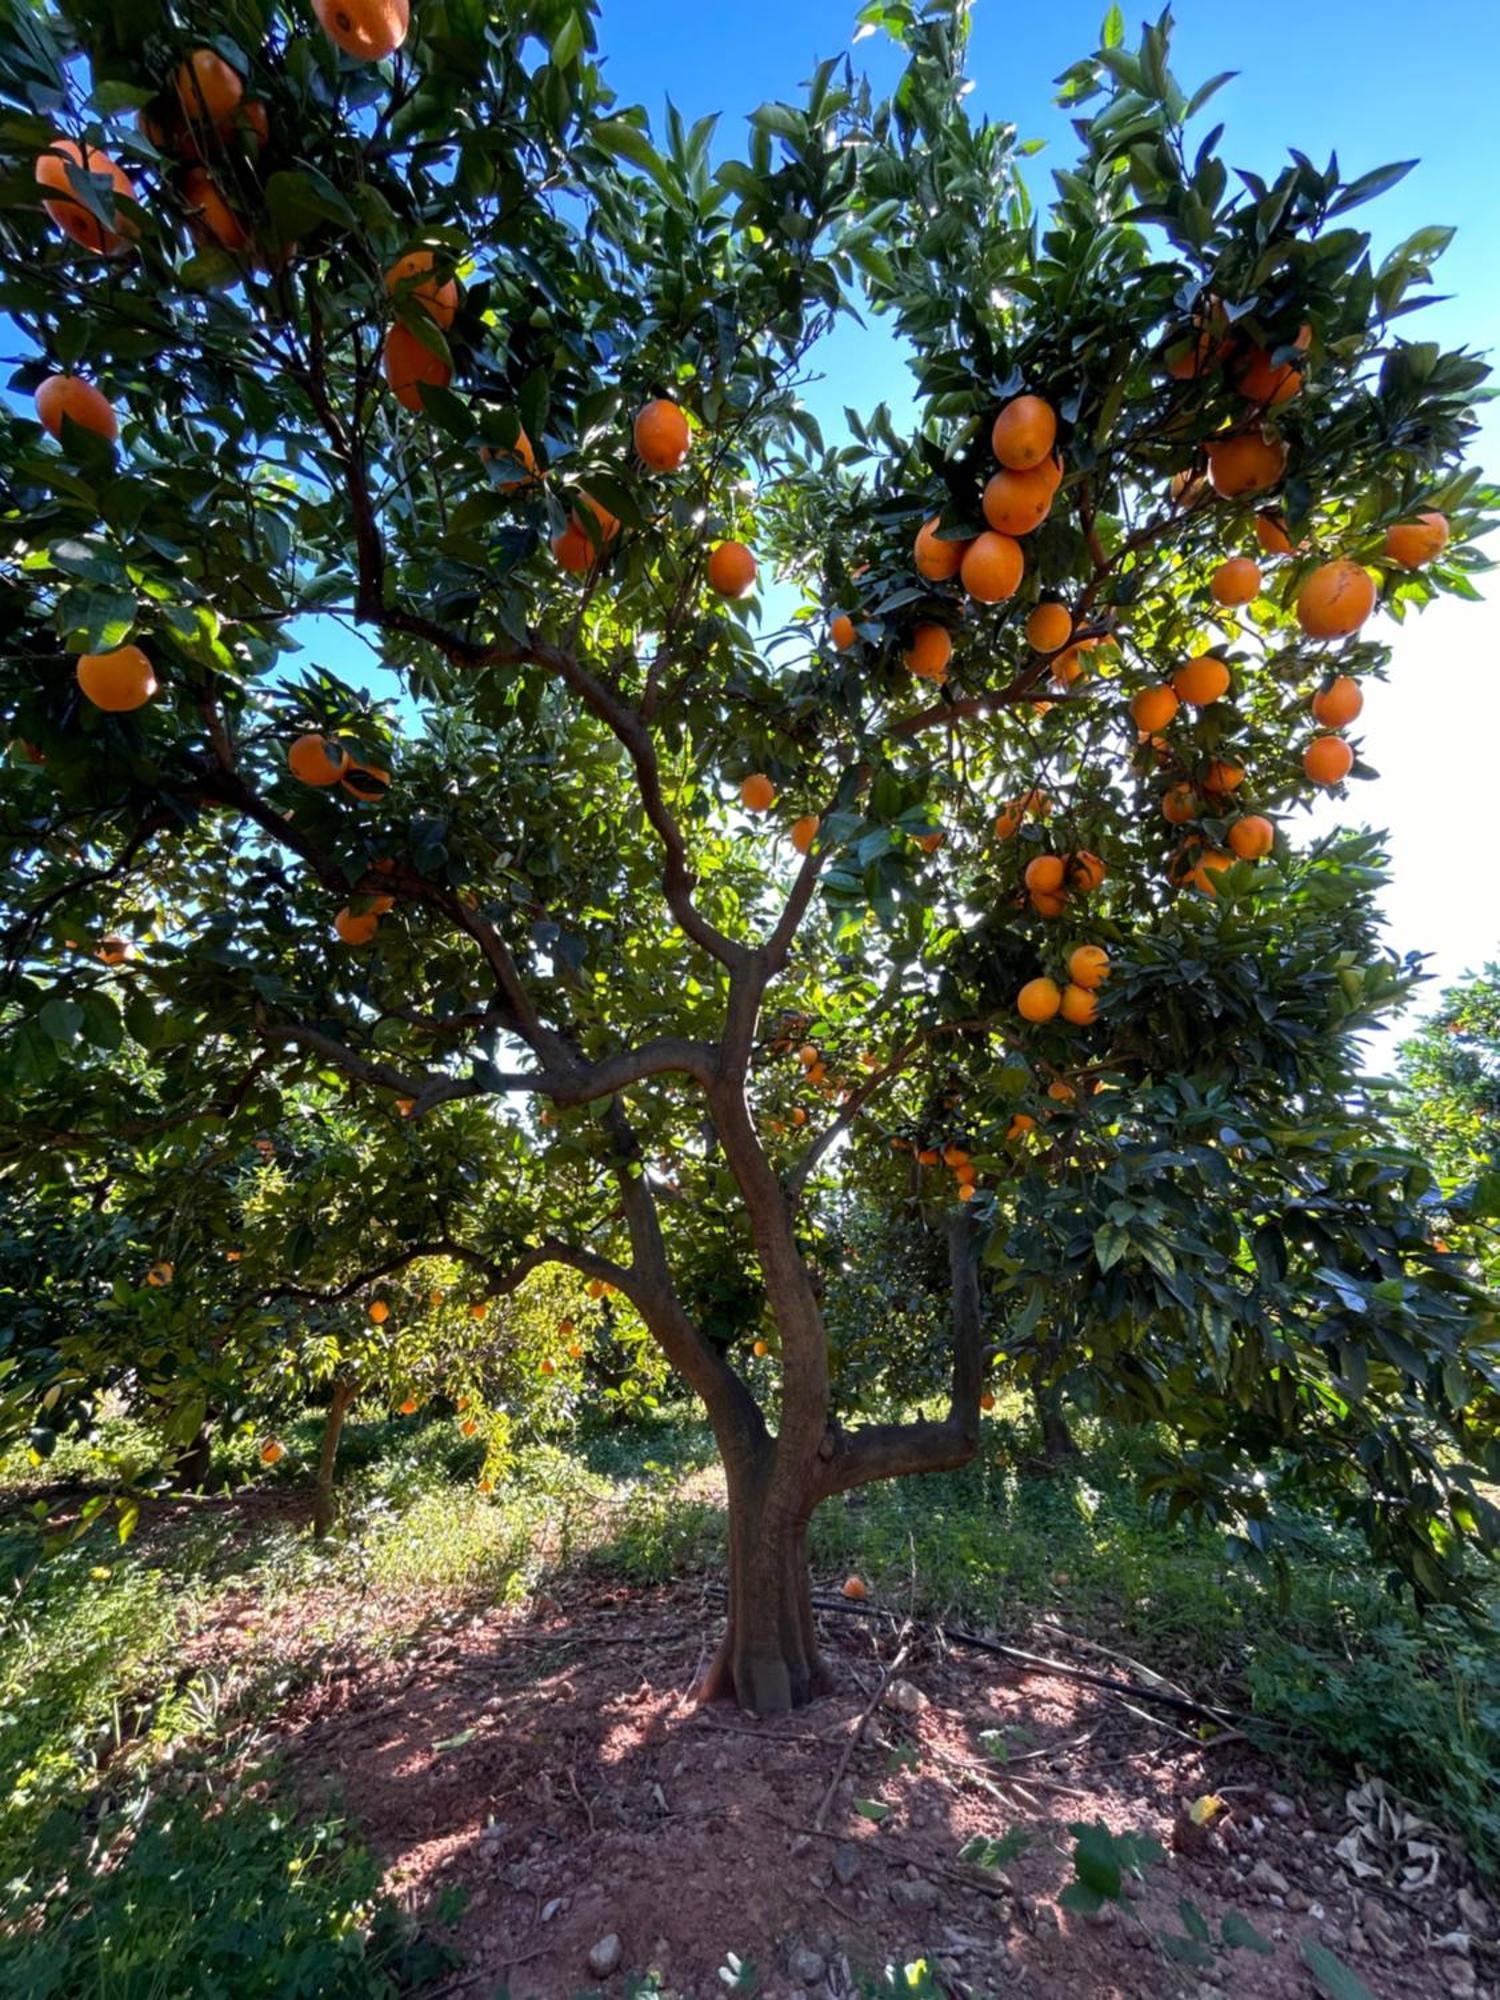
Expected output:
{"points": [[951, 1155], [1044, 999]]}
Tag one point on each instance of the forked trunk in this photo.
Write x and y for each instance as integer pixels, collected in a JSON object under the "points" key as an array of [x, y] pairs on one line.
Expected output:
{"points": [[324, 1507], [768, 1658]]}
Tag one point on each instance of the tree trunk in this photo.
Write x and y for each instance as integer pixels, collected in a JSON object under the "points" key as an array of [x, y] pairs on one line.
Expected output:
{"points": [[190, 1468], [768, 1659], [1058, 1442], [328, 1451]]}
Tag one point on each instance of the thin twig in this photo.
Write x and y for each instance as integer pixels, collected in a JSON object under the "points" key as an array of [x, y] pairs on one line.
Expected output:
{"points": [[859, 1728]]}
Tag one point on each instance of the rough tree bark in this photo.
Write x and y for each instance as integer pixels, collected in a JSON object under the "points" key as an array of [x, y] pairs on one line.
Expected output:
{"points": [[1058, 1442], [191, 1466], [324, 1508]]}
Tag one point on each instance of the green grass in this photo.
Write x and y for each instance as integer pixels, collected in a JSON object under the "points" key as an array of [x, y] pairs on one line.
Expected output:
{"points": [[140, 1859]]}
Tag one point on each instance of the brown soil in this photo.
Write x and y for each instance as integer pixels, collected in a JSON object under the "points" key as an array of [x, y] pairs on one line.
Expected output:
{"points": [[548, 1764]]}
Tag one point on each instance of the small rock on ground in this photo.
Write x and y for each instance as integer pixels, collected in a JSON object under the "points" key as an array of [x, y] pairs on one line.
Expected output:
{"points": [[605, 1956]]}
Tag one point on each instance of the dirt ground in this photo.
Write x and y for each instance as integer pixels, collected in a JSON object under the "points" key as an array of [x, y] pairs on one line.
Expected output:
{"points": [[546, 1764]]}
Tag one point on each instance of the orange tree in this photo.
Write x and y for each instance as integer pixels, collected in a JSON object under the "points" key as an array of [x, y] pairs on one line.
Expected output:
{"points": [[972, 882]]}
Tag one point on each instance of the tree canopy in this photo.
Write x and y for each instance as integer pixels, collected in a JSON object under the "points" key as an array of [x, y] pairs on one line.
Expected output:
{"points": [[664, 913]]}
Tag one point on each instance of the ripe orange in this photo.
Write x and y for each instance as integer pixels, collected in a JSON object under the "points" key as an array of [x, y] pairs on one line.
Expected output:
{"points": [[731, 570], [992, 567], [1235, 582], [478, 1310], [1336, 705], [1222, 776], [80, 402], [573, 550], [854, 1588], [1035, 805], [1048, 903], [365, 782], [117, 681], [160, 1274], [209, 89], [966, 1175], [1252, 837], [1024, 433], [113, 950], [1328, 760], [412, 277], [759, 1349], [1270, 532], [1068, 667], [928, 653], [210, 218], [986, 1401], [927, 1157], [1335, 600], [1016, 502], [68, 212], [406, 1105], [1088, 967], [1039, 999], [369, 30], [967, 1191], [1261, 380], [1202, 681], [1246, 462], [1049, 628], [1209, 864], [1086, 872], [1020, 1125], [936, 560], [1413, 543], [379, 1312], [842, 631], [356, 927], [606, 525], [757, 793], [1079, 1005], [470, 1425], [272, 1451], [1153, 708], [805, 832], [1044, 876], [955, 1155], [407, 1407], [930, 842], [408, 363], [661, 434], [316, 760]]}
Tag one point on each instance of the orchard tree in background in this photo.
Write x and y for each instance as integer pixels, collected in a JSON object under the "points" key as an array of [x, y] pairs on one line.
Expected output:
{"points": [[969, 888], [1449, 1107]]}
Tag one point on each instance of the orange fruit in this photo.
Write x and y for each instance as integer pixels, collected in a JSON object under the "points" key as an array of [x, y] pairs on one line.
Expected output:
{"points": [[1202, 681], [573, 550], [1039, 999], [1252, 837], [1245, 462], [1190, 354], [1328, 760], [799, 1116], [805, 832], [1153, 708], [606, 525], [955, 1156], [927, 1157], [369, 30], [1049, 628], [117, 681], [1222, 776], [356, 927], [478, 1309], [1024, 433], [379, 1312], [365, 782], [1035, 805], [1336, 705], [757, 793], [470, 1425], [1088, 967], [1335, 600], [1079, 1006], [731, 570], [854, 1588], [1413, 543], [936, 560], [1209, 864], [1068, 667], [113, 950], [1020, 1125], [842, 631], [992, 567], [986, 1401], [661, 434], [967, 1191], [1261, 380], [1044, 876], [160, 1274], [407, 1407], [759, 1349], [272, 1451], [1086, 872], [412, 277], [1048, 903], [210, 218], [928, 653], [209, 89], [406, 1106], [966, 1175], [68, 212], [316, 760], [80, 402], [1016, 502], [930, 842], [1235, 582], [408, 363], [1188, 488], [1270, 532]]}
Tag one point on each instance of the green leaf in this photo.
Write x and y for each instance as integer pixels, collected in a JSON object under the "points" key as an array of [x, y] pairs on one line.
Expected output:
{"points": [[1238, 1932], [1332, 1975], [628, 142], [299, 200], [872, 1809], [1112, 33]]}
